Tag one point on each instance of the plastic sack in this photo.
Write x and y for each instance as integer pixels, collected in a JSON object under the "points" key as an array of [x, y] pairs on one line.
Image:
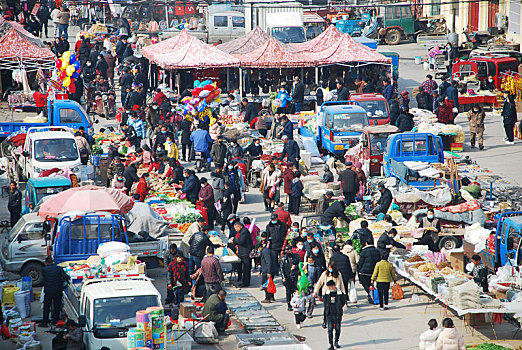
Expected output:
{"points": [[352, 292], [272, 192], [117, 258], [23, 303], [397, 293], [374, 295], [270, 287], [108, 248]]}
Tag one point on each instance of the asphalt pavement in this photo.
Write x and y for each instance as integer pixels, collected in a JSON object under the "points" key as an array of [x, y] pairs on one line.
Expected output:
{"points": [[363, 325]]}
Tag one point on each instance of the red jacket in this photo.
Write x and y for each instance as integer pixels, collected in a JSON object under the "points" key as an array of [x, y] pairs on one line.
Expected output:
{"points": [[142, 189], [284, 217], [39, 99], [159, 98], [445, 114], [288, 176]]}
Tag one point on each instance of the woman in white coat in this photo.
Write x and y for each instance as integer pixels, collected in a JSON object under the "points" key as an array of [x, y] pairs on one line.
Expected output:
{"points": [[428, 338]]}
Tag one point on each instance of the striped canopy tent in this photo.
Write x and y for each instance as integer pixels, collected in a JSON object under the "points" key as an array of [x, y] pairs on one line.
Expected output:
{"points": [[20, 49], [187, 52], [274, 54]]}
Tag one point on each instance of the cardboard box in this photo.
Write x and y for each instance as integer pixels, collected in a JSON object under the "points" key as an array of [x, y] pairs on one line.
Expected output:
{"points": [[473, 320], [457, 261], [187, 309]]}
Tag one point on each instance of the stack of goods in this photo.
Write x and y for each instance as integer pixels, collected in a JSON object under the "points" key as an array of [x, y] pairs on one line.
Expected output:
{"points": [[466, 296], [112, 258], [104, 141], [180, 212], [224, 254], [143, 322], [135, 338], [157, 315], [231, 120]]}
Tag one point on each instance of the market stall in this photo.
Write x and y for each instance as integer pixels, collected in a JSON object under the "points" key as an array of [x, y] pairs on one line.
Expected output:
{"points": [[452, 135]]}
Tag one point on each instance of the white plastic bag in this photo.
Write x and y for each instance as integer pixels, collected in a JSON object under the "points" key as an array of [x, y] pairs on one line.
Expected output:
{"points": [[352, 292], [108, 248]]}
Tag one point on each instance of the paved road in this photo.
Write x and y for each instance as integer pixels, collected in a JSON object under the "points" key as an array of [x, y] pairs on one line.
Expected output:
{"points": [[364, 326]]}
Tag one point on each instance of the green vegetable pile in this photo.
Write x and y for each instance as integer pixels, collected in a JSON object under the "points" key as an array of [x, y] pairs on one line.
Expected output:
{"points": [[487, 346], [351, 212], [357, 245], [186, 218]]}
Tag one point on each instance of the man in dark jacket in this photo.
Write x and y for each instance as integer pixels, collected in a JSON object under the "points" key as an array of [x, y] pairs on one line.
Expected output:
{"points": [[386, 241], [384, 201], [405, 120], [342, 262], [88, 72], [125, 84], [363, 234], [251, 110], [14, 204], [349, 183], [288, 127], [368, 258], [191, 186], [215, 310], [218, 153], [342, 93], [290, 273], [480, 273], [509, 117], [444, 86], [84, 51], [234, 151], [323, 203], [243, 240], [276, 231], [54, 278], [43, 15], [394, 109], [335, 210], [198, 244], [291, 151], [334, 302], [298, 94], [268, 269], [121, 45], [131, 176], [387, 90], [102, 66], [452, 94]]}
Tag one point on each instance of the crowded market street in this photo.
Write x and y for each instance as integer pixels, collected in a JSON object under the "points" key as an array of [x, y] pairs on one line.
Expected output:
{"points": [[364, 325]]}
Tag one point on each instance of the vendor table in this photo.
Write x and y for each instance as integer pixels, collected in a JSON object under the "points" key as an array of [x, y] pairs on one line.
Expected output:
{"points": [[480, 99]]}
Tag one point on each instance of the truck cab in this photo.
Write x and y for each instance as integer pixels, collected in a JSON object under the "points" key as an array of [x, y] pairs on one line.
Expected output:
{"points": [[507, 243], [225, 26], [484, 66], [371, 148], [423, 147], [106, 308], [47, 148], [38, 188], [286, 27], [376, 107]]}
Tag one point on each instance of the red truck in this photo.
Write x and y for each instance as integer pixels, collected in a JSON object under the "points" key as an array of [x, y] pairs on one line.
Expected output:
{"points": [[484, 66], [375, 105]]}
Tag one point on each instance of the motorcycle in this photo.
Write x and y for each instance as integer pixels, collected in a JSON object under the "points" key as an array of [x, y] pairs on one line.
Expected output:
{"points": [[200, 162], [103, 104]]}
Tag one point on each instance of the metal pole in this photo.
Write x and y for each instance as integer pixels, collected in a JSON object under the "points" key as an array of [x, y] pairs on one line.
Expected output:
{"points": [[240, 82], [228, 79], [317, 75], [167, 14]]}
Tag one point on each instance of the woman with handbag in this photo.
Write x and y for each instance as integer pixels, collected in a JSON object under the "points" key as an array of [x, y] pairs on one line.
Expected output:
{"points": [[83, 147], [383, 274], [331, 274], [271, 179]]}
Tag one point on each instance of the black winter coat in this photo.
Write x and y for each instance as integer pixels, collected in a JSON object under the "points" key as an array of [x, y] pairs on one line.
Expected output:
{"points": [[244, 243], [349, 181], [251, 112], [335, 311], [405, 122], [185, 131], [368, 258], [335, 210], [198, 244], [394, 111], [291, 150], [384, 202], [386, 240], [131, 176], [286, 266], [509, 113], [53, 279], [268, 262], [15, 201], [277, 234], [343, 265], [343, 94], [363, 235], [298, 95]]}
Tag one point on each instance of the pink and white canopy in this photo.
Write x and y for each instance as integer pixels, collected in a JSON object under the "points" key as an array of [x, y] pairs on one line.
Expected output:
{"points": [[185, 51], [246, 43], [320, 42]]}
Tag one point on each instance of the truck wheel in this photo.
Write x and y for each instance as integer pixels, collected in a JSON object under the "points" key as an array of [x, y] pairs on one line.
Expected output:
{"points": [[393, 37], [34, 270], [450, 242]]}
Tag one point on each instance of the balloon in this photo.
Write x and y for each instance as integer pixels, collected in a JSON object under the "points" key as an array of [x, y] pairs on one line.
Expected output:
{"points": [[72, 59], [58, 63], [196, 83], [70, 70], [63, 75], [72, 88], [66, 82], [77, 65], [302, 282], [65, 64], [66, 55], [75, 75]]}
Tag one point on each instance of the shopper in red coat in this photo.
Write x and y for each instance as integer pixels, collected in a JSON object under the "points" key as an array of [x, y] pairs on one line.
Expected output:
{"points": [[445, 113], [288, 176], [143, 187]]}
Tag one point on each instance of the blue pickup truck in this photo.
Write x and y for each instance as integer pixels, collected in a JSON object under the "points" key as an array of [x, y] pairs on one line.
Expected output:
{"points": [[59, 113], [420, 147], [507, 243], [339, 126]]}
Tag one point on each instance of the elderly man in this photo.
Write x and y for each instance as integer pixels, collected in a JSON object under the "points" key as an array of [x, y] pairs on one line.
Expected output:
{"points": [[291, 151], [215, 310]]}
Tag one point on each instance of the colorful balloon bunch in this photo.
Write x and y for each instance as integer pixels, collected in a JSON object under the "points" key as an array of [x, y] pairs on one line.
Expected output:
{"points": [[67, 70], [205, 96]]}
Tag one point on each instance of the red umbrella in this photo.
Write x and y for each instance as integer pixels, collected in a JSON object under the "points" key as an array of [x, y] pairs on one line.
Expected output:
{"points": [[87, 198]]}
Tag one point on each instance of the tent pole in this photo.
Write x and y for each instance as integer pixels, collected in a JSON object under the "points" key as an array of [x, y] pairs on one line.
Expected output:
{"points": [[317, 75], [240, 82], [228, 79]]}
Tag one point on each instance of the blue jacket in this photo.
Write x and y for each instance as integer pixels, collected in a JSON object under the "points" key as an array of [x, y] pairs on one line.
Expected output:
{"points": [[297, 188], [387, 92], [291, 151], [201, 139], [284, 97], [191, 187], [453, 95], [288, 130]]}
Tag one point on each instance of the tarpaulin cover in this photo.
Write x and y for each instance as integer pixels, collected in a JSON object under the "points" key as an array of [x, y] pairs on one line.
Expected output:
{"points": [[439, 196], [142, 218], [17, 45], [246, 43], [185, 51], [273, 54], [86, 198], [468, 217]]}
